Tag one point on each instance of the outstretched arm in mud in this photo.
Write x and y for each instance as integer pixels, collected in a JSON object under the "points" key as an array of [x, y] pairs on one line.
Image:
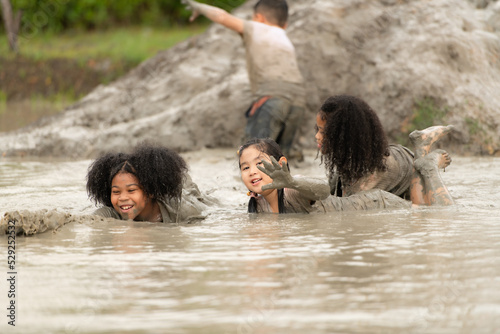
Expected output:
{"points": [[26, 222], [214, 14], [311, 188]]}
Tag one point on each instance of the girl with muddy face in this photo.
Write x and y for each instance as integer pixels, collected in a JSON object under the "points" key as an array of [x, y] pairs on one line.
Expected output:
{"points": [[251, 155], [266, 174], [134, 186]]}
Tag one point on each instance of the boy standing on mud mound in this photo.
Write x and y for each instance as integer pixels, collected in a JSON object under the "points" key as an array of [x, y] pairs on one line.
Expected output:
{"points": [[275, 79]]}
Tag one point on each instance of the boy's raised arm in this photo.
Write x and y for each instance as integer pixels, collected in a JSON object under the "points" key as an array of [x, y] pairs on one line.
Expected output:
{"points": [[214, 14]]}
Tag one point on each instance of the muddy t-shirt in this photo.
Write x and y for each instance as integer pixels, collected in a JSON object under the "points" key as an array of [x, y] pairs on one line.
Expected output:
{"points": [[272, 63], [396, 179], [293, 202]]}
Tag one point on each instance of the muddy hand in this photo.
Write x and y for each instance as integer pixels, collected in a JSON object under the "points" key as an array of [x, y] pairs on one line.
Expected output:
{"points": [[192, 6], [280, 174]]}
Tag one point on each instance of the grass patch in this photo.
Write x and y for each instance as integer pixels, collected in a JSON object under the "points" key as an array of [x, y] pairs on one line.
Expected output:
{"points": [[132, 45], [474, 126], [3, 97], [426, 113], [3, 102], [52, 71]]}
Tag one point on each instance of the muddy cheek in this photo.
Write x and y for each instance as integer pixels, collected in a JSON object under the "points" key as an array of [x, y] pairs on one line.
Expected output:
{"points": [[124, 215], [135, 213]]}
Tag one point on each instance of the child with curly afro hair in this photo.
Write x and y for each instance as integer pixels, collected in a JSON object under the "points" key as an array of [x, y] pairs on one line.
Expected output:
{"points": [[149, 184], [357, 155]]}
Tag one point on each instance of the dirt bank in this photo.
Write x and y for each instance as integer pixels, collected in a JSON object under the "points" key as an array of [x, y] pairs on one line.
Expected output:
{"points": [[394, 54], [22, 78]]}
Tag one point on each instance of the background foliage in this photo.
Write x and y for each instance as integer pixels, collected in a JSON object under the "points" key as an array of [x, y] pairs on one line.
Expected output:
{"points": [[61, 15]]}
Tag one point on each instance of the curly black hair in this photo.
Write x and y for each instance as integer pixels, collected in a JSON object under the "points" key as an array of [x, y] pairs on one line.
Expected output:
{"points": [[272, 149], [275, 11], [160, 172], [354, 142]]}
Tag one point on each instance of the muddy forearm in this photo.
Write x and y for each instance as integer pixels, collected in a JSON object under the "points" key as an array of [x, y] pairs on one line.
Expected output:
{"points": [[311, 188]]}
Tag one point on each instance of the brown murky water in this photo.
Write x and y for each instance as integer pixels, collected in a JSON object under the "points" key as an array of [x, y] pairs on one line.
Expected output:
{"points": [[426, 270]]}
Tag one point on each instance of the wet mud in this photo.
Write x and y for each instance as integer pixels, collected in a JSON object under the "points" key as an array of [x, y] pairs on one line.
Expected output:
{"points": [[28, 222]]}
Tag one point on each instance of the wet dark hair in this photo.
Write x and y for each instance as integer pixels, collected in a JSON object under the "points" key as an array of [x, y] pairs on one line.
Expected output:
{"points": [[160, 172], [354, 139], [272, 149], [275, 11]]}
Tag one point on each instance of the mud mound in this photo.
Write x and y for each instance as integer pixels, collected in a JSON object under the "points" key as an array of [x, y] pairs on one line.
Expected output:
{"points": [[391, 53]]}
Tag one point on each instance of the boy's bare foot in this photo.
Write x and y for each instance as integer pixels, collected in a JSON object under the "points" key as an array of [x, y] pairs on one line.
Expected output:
{"points": [[423, 140], [433, 161]]}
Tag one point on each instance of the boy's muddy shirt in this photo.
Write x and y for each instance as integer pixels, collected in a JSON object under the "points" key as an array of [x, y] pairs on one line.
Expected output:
{"points": [[271, 63]]}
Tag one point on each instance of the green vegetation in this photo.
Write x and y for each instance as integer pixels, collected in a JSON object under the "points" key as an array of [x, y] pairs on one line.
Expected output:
{"points": [[474, 126], [3, 101], [130, 45], [68, 47], [426, 113], [52, 71], [62, 15]]}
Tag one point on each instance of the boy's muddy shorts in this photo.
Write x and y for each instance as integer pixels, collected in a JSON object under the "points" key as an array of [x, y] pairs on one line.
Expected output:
{"points": [[275, 118]]}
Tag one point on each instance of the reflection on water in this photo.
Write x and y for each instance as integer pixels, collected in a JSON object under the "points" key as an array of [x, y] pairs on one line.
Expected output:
{"points": [[427, 270]]}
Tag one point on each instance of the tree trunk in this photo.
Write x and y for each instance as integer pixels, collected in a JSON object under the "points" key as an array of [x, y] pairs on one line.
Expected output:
{"points": [[11, 23]]}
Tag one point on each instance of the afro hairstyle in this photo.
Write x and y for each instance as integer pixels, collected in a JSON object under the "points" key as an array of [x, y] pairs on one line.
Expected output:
{"points": [[160, 172]]}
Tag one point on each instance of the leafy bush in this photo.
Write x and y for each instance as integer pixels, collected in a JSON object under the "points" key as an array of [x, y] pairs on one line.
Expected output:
{"points": [[59, 15], [426, 113]]}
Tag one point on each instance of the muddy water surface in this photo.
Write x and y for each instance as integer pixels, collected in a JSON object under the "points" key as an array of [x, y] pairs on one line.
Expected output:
{"points": [[426, 270]]}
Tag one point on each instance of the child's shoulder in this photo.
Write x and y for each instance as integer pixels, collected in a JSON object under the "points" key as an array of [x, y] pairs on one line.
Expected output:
{"points": [[259, 28]]}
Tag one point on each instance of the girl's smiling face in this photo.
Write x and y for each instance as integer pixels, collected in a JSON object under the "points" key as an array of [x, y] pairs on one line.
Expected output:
{"points": [[251, 176], [128, 198]]}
